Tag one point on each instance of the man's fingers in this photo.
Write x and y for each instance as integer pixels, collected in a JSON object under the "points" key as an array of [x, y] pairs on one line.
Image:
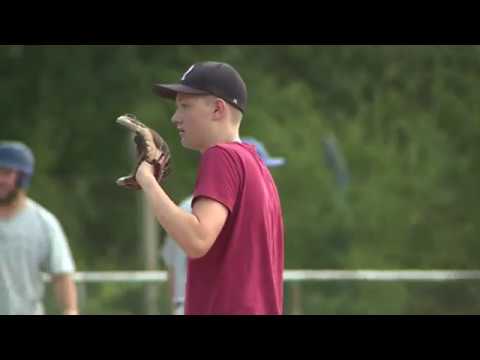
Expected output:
{"points": [[163, 160]]}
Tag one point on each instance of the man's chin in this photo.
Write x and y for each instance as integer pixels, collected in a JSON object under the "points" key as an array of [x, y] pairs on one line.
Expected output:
{"points": [[189, 145], [185, 144], [9, 198]]}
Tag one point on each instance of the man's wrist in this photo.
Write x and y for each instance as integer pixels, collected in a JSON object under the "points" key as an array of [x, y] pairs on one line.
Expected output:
{"points": [[149, 183]]}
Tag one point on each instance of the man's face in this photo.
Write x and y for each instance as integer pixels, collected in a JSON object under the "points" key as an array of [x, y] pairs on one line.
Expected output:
{"points": [[8, 185], [191, 118]]}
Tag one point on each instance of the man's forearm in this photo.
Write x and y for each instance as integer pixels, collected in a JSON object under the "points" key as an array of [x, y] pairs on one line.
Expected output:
{"points": [[65, 293], [182, 226]]}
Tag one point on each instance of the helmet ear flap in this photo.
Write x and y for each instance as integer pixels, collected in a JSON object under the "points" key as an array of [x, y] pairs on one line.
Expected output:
{"points": [[23, 180]]}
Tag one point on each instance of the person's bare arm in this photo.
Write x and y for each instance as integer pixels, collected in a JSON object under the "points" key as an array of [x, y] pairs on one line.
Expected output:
{"points": [[195, 232], [65, 293]]}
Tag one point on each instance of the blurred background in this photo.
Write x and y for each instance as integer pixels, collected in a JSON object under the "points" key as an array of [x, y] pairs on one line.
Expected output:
{"points": [[382, 173]]}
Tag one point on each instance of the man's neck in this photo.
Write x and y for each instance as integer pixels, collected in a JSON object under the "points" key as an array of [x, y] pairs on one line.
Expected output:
{"points": [[9, 210], [226, 138]]}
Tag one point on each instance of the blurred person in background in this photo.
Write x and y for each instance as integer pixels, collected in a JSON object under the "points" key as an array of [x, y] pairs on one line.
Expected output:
{"points": [[32, 242]]}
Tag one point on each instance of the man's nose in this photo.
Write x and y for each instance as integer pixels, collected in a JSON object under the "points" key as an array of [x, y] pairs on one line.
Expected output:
{"points": [[174, 119]]}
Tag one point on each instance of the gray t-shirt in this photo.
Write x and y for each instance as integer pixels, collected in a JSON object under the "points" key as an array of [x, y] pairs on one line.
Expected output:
{"points": [[31, 242], [174, 257]]}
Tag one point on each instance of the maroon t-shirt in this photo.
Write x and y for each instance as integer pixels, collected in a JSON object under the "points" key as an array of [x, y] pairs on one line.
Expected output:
{"points": [[242, 273]]}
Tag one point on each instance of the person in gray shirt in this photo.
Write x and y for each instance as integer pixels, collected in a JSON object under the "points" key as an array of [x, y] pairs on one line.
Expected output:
{"points": [[32, 242]]}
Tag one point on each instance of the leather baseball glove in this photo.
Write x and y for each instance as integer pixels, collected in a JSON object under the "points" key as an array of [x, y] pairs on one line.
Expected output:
{"points": [[150, 146]]}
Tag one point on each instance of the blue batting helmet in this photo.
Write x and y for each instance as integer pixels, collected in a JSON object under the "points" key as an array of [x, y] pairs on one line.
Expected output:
{"points": [[17, 156], [263, 153]]}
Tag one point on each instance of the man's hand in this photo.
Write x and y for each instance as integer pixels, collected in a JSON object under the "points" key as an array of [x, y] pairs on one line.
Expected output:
{"points": [[145, 174]]}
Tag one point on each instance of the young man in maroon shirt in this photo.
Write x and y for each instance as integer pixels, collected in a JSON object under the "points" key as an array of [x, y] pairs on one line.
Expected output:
{"points": [[234, 237]]}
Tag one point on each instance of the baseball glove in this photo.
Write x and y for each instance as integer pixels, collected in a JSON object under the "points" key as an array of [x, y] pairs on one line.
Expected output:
{"points": [[150, 147]]}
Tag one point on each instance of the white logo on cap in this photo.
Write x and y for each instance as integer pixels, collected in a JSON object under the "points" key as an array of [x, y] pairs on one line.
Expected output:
{"points": [[235, 101], [187, 72]]}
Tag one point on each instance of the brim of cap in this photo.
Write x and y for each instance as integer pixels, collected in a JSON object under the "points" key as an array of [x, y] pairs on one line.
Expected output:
{"points": [[274, 162], [170, 91]]}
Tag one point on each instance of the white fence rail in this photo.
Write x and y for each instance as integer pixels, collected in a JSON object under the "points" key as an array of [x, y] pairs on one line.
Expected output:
{"points": [[294, 275], [293, 278]]}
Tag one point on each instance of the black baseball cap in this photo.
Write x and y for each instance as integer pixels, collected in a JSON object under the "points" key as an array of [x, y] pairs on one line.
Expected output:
{"points": [[209, 78]]}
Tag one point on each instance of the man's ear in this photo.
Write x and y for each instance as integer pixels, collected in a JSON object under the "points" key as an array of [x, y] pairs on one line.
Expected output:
{"points": [[20, 179], [219, 109]]}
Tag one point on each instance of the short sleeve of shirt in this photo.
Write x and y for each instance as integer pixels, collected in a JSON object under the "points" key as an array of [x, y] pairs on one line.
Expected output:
{"points": [[60, 258], [218, 177]]}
